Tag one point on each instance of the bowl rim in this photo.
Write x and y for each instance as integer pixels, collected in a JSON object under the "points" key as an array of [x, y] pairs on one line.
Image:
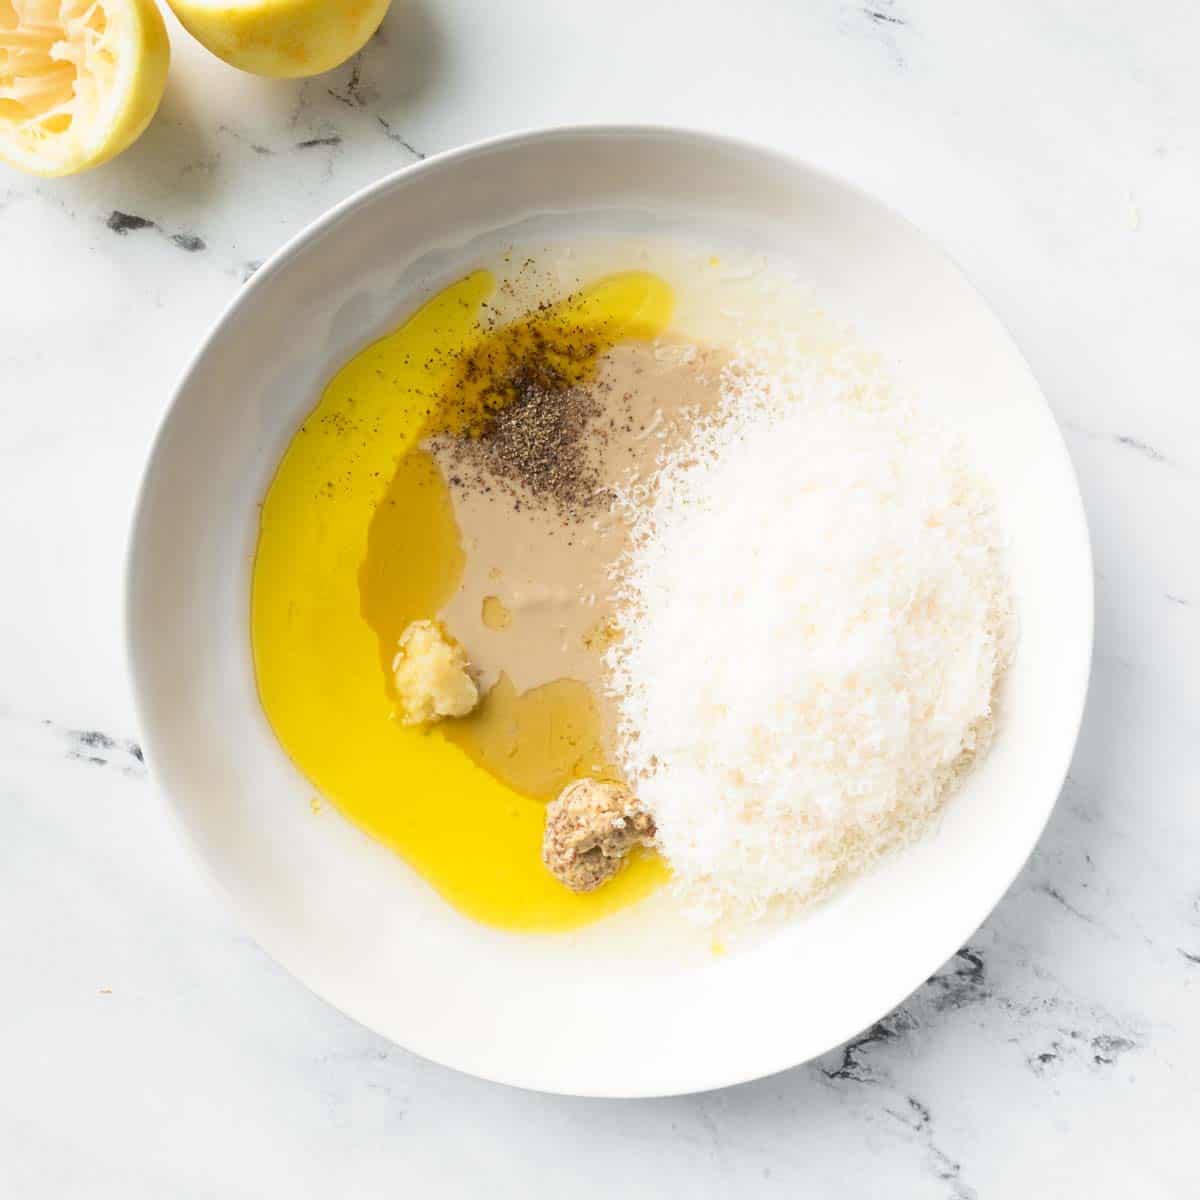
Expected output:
{"points": [[432, 164]]}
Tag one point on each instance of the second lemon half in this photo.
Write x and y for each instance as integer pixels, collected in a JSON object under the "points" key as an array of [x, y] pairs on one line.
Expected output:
{"points": [[281, 38]]}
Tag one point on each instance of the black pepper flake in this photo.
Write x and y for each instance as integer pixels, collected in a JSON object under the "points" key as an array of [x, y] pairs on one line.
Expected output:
{"points": [[536, 441]]}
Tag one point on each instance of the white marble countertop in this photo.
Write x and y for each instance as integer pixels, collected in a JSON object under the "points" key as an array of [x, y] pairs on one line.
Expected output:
{"points": [[149, 1049]]}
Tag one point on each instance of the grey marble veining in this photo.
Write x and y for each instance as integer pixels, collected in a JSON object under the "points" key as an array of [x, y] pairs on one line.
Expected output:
{"points": [[150, 1049]]}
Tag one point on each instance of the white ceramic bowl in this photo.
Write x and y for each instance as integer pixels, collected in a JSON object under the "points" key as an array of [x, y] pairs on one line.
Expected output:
{"points": [[611, 1010]]}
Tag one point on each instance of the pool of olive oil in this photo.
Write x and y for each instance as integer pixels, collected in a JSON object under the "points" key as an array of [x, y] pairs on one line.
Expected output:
{"points": [[358, 538]]}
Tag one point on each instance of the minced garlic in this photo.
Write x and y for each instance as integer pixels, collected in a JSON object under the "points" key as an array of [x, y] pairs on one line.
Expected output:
{"points": [[432, 676]]}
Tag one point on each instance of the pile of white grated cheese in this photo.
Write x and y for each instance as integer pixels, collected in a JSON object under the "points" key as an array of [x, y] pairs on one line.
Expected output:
{"points": [[815, 619]]}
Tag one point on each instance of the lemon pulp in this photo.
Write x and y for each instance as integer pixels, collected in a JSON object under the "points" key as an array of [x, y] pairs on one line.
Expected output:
{"points": [[79, 80], [357, 538]]}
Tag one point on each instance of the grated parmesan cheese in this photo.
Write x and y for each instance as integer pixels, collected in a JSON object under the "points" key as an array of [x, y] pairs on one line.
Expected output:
{"points": [[816, 618]]}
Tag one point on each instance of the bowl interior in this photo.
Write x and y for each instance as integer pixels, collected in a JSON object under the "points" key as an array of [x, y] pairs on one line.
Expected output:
{"points": [[634, 1005]]}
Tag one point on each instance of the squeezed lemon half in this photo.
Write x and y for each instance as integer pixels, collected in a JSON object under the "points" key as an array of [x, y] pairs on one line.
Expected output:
{"points": [[283, 38], [79, 80]]}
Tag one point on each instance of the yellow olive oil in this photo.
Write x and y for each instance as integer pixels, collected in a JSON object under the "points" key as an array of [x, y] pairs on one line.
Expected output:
{"points": [[358, 538]]}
